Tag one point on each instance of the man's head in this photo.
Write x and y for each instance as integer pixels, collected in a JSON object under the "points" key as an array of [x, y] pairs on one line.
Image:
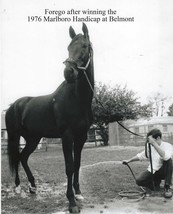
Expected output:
{"points": [[155, 133]]}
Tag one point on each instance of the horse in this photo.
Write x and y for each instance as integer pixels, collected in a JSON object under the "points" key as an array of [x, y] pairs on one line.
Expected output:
{"points": [[66, 113]]}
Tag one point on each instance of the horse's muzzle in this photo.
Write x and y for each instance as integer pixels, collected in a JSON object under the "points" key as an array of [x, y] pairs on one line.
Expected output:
{"points": [[70, 74], [70, 61]]}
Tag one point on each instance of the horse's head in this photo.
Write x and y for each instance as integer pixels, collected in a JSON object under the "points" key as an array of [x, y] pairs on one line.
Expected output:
{"points": [[79, 54]]}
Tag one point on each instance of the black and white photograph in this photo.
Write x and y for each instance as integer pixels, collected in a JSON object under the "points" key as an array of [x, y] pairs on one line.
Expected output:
{"points": [[86, 106]]}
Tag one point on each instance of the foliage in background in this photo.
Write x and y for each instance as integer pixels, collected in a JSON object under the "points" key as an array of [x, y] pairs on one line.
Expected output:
{"points": [[115, 103], [157, 103], [170, 112]]}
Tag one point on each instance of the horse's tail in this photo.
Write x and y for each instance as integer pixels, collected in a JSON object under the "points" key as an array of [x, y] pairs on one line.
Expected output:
{"points": [[13, 131]]}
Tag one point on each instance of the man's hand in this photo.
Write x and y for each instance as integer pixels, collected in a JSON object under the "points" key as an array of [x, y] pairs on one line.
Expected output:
{"points": [[125, 162], [152, 141]]}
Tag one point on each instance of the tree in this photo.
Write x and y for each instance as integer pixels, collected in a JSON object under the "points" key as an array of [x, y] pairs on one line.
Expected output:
{"points": [[158, 104], [145, 110], [113, 104], [170, 112]]}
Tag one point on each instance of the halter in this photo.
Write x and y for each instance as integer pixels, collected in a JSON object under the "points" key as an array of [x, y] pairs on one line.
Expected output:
{"points": [[86, 66], [74, 63]]}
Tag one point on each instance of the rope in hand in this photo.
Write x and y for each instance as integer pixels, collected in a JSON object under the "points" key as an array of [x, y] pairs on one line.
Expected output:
{"points": [[133, 195]]}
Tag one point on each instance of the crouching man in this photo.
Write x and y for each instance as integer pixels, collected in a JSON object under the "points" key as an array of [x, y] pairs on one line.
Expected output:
{"points": [[162, 155]]}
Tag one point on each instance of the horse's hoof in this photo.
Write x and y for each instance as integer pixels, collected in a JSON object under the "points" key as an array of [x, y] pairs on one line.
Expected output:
{"points": [[18, 189], [79, 197], [32, 190], [74, 209]]}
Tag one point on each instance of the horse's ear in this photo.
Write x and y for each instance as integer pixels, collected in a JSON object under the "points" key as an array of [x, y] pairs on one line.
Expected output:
{"points": [[72, 32], [85, 30]]}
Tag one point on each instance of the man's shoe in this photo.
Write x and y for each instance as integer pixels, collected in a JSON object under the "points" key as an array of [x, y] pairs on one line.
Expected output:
{"points": [[168, 193]]}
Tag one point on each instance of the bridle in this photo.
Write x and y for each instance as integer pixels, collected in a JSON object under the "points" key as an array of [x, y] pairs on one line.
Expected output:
{"points": [[75, 66], [73, 63]]}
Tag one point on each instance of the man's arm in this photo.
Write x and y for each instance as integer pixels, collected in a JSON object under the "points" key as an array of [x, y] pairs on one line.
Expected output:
{"points": [[135, 158], [139, 157]]}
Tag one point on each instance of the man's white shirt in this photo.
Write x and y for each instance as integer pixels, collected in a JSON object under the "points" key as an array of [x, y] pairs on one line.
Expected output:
{"points": [[157, 161]]}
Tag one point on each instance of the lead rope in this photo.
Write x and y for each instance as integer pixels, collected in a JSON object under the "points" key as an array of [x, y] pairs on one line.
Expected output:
{"points": [[106, 109], [150, 158], [151, 165]]}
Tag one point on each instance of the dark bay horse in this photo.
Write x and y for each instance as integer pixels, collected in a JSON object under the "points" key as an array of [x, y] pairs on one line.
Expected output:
{"points": [[66, 114]]}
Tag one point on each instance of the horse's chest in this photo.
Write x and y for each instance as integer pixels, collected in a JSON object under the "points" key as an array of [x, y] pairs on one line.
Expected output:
{"points": [[82, 124]]}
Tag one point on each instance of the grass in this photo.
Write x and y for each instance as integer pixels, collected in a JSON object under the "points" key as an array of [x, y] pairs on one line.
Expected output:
{"points": [[102, 178]]}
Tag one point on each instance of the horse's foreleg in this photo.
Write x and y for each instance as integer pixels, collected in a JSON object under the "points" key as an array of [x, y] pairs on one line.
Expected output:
{"points": [[78, 145], [67, 143]]}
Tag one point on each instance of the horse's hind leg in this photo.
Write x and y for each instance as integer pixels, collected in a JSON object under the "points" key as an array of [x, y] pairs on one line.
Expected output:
{"points": [[17, 180], [31, 145]]}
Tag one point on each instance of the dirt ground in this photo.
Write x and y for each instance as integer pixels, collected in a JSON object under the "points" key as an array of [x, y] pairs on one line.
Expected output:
{"points": [[154, 202], [102, 178]]}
